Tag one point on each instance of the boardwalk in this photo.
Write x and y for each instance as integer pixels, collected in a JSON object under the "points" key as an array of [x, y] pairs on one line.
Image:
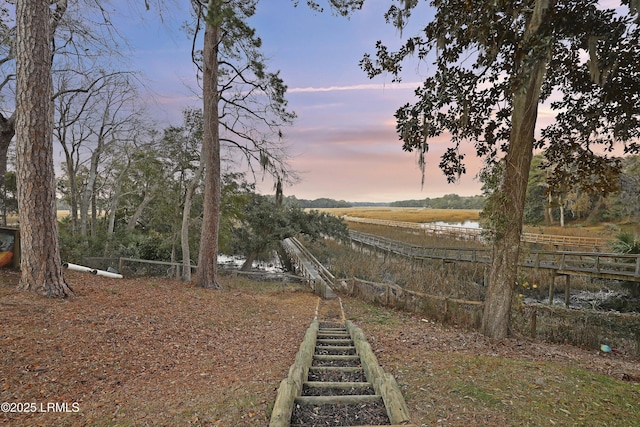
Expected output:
{"points": [[467, 233], [591, 264]]}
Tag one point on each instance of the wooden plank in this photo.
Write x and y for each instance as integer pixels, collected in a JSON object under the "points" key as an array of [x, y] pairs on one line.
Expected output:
{"points": [[333, 341], [397, 409], [336, 368], [335, 347], [324, 336], [332, 400], [291, 387], [368, 360], [283, 407], [383, 384], [330, 384], [335, 357]]}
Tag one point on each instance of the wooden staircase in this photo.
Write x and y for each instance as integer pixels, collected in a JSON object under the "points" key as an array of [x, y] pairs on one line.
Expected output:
{"points": [[336, 381]]}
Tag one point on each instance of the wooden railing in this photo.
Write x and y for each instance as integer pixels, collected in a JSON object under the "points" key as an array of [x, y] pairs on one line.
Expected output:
{"points": [[320, 278], [592, 264]]}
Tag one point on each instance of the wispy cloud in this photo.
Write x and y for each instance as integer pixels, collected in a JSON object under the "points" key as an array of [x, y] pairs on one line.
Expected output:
{"points": [[365, 86]]}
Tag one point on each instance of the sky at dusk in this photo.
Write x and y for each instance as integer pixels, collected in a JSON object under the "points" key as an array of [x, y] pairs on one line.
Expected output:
{"points": [[343, 144]]}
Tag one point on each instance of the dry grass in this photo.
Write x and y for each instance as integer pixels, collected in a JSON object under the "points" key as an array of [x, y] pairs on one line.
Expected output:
{"points": [[62, 213], [431, 277], [413, 236], [407, 214], [454, 378]]}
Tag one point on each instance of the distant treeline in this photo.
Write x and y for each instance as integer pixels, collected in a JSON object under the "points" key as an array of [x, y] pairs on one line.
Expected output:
{"points": [[449, 201], [317, 203]]}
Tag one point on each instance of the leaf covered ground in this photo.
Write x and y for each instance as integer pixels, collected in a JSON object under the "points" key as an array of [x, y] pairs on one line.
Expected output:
{"points": [[140, 352]]}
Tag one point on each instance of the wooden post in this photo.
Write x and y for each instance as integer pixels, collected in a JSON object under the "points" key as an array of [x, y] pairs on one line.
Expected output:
{"points": [[384, 384], [291, 387], [567, 290], [534, 321], [387, 296], [552, 289], [283, 407], [397, 410]]}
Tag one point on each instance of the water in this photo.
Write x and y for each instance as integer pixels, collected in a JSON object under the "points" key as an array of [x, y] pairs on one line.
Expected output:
{"points": [[234, 262], [603, 300], [466, 224]]}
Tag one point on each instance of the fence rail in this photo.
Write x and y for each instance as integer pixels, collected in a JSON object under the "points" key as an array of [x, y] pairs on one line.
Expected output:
{"points": [[591, 264]]}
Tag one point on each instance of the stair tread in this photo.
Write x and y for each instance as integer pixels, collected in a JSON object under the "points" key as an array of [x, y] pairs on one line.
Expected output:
{"points": [[337, 384], [336, 368], [336, 357], [335, 347], [336, 399]]}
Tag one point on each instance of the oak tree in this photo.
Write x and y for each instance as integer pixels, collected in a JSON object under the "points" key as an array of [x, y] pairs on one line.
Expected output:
{"points": [[494, 63]]}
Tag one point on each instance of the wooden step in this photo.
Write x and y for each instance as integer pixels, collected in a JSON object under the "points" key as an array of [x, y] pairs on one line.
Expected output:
{"points": [[335, 348], [334, 334], [327, 384], [336, 368], [332, 400], [334, 341], [341, 357]]}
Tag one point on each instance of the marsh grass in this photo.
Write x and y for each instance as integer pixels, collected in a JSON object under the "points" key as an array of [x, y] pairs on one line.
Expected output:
{"points": [[407, 214], [430, 277], [413, 236]]}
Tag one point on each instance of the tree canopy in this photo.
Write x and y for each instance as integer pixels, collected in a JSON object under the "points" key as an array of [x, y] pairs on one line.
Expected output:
{"points": [[493, 64], [264, 224]]}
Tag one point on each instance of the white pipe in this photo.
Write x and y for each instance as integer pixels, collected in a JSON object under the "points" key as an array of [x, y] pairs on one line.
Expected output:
{"points": [[76, 267], [108, 274]]}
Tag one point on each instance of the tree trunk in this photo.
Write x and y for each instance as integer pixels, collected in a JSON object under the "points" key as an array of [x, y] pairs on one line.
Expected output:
{"points": [[284, 258], [94, 210], [87, 193], [506, 247], [248, 263], [115, 199], [148, 197], [548, 210], [186, 219], [40, 256], [206, 276], [73, 192], [7, 131]]}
